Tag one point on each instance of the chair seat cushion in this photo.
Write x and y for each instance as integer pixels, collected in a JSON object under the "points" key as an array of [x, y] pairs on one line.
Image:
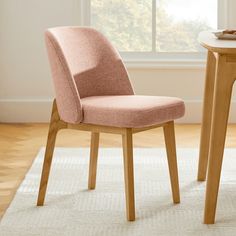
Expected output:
{"points": [[131, 111]]}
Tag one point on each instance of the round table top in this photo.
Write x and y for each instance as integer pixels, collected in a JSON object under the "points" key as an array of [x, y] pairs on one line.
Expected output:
{"points": [[208, 40]]}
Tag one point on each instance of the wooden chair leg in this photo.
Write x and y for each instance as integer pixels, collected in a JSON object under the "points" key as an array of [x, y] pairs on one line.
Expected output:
{"points": [[129, 174], [207, 116], [222, 97], [169, 134], [53, 129], [93, 160]]}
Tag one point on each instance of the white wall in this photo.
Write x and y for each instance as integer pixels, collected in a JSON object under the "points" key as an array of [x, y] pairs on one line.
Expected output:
{"points": [[26, 89]]}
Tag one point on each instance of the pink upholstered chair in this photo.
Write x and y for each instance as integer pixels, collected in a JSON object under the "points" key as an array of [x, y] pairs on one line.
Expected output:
{"points": [[94, 93]]}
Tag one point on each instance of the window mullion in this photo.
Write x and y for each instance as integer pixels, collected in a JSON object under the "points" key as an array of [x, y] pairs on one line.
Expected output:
{"points": [[154, 3], [223, 14], [85, 12]]}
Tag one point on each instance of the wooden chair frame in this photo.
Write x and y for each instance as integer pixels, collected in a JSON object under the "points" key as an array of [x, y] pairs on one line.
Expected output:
{"points": [[57, 124]]}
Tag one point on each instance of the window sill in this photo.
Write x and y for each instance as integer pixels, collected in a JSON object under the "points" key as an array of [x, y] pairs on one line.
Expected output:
{"points": [[166, 64]]}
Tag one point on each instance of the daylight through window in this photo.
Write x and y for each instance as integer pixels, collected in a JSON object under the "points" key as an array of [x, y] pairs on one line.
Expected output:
{"points": [[154, 25]]}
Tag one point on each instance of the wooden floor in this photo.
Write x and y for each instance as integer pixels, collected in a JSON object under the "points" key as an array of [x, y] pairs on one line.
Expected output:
{"points": [[19, 144]]}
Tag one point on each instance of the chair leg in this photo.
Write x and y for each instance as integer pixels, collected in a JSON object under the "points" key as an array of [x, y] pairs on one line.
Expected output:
{"points": [[169, 134], [53, 129], [129, 174], [93, 160]]}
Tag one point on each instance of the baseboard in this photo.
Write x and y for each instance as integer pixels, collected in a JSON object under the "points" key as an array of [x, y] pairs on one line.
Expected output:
{"points": [[24, 111]]}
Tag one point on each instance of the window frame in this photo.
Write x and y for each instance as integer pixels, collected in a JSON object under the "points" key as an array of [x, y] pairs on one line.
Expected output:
{"points": [[171, 60]]}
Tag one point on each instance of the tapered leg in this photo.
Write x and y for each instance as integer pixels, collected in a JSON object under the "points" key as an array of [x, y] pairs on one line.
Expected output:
{"points": [[172, 161], [222, 96], [129, 175], [93, 160], [207, 116], [53, 129]]}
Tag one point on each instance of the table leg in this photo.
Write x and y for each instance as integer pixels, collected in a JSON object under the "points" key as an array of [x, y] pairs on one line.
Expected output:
{"points": [[222, 97], [207, 116]]}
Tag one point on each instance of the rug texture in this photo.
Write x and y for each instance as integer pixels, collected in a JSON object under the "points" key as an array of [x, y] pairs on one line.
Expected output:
{"points": [[70, 209]]}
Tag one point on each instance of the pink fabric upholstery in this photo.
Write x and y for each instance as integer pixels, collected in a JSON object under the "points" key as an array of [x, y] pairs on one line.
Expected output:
{"points": [[83, 64], [131, 111], [92, 84], [67, 96]]}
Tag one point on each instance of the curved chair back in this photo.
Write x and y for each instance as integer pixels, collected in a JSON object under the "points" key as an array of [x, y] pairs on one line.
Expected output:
{"points": [[83, 64]]}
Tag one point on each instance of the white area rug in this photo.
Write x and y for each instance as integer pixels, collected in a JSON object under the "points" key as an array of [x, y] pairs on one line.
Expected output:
{"points": [[71, 209]]}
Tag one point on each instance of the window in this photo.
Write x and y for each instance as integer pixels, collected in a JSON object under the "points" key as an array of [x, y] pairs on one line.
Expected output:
{"points": [[154, 29]]}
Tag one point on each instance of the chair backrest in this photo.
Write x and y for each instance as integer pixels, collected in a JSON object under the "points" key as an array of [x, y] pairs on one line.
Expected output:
{"points": [[83, 64]]}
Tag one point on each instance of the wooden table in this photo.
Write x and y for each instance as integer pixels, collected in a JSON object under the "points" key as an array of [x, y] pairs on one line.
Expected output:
{"points": [[220, 76]]}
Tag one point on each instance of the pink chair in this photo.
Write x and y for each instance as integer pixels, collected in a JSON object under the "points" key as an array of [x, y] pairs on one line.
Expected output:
{"points": [[94, 93]]}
